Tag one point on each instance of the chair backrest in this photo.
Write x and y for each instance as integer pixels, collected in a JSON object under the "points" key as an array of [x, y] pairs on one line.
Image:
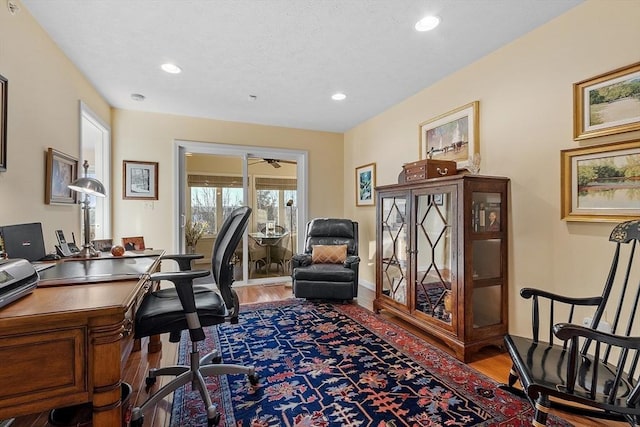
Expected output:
{"points": [[332, 231], [228, 239], [616, 308], [624, 281]]}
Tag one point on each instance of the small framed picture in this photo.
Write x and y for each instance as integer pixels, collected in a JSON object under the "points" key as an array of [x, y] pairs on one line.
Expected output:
{"points": [[61, 170], [365, 185], [102, 245], [601, 183], [607, 104], [135, 243], [140, 180]]}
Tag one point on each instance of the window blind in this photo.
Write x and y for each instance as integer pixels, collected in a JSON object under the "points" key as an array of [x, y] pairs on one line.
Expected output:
{"points": [[276, 184], [214, 181]]}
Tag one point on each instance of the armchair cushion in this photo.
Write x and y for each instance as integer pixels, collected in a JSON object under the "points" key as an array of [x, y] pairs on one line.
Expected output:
{"points": [[325, 273], [329, 254]]}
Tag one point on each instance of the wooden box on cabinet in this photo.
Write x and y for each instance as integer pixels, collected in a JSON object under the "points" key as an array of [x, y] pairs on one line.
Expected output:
{"points": [[441, 258]]}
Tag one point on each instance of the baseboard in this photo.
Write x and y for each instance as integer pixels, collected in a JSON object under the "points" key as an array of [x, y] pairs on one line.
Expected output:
{"points": [[367, 284]]}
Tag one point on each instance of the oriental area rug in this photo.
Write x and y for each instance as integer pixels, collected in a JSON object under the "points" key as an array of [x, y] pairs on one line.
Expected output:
{"points": [[322, 364]]}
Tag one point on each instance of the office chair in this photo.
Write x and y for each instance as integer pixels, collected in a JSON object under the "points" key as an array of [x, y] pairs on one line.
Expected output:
{"points": [[164, 312]]}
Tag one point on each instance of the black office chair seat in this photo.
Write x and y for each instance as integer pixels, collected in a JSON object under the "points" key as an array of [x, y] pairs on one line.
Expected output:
{"points": [[160, 314]]}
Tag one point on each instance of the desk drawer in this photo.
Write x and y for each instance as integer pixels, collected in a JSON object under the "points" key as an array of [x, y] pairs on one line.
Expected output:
{"points": [[42, 371]]}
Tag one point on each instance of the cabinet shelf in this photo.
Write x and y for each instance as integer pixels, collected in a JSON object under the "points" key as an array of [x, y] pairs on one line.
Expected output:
{"points": [[441, 259]]}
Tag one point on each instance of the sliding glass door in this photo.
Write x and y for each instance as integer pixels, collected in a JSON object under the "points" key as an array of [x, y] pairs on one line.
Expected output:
{"points": [[214, 182]]}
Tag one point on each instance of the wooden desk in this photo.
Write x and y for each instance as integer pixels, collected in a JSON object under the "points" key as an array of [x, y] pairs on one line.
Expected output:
{"points": [[67, 345]]}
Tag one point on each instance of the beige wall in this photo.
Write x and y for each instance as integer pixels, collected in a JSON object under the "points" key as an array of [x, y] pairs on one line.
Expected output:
{"points": [[44, 93], [151, 136], [526, 118]]}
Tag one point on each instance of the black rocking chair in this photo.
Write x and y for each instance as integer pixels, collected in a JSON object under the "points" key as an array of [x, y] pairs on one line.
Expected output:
{"points": [[592, 370]]}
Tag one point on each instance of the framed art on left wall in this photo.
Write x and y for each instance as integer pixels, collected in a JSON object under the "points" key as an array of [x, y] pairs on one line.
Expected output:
{"points": [[140, 180], [61, 170], [3, 123]]}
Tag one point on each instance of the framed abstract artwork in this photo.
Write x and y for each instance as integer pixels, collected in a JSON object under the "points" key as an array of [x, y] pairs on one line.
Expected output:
{"points": [[607, 104], [601, 183], [365, 185], [61, 170], [452, 136], [140, 180]]}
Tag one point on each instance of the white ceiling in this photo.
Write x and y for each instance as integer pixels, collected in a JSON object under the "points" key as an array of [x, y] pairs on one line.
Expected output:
{"points": [[291, 54]]}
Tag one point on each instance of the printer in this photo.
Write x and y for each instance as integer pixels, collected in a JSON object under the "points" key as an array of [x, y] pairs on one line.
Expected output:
{"points": [[18, 278]]}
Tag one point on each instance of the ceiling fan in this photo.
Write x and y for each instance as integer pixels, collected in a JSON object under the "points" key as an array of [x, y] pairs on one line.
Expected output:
{"points": [[273, 162]]}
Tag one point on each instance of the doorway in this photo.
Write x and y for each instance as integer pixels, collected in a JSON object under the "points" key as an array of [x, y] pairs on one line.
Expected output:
{"points": [[214, 179]]}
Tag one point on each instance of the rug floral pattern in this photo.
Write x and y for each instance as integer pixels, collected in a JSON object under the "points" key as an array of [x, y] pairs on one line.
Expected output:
{"points": [[341, 365]]}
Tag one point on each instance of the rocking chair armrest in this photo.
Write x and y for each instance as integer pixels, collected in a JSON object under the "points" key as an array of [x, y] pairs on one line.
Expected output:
{"points": [[528, 293], [567, 331]]}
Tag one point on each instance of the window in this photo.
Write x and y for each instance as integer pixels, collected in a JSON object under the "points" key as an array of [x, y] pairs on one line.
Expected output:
{"points": [[272, 196], [213, 198]]}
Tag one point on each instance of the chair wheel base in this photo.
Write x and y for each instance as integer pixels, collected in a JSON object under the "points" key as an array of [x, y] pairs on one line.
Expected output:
{"points": [[213, 422], [137, 423], [254, 379]]}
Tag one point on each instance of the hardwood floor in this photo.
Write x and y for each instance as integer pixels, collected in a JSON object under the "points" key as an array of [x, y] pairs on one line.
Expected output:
{"points": [[489, 361]]}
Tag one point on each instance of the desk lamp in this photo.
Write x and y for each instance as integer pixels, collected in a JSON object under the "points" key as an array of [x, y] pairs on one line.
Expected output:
{"points": [[89, 187]]}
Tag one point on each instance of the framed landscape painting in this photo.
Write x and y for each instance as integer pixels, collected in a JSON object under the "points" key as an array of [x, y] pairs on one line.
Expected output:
{"points": [[140, 180], [601, 183], [607, 104], [365, 184], [452, 136]]}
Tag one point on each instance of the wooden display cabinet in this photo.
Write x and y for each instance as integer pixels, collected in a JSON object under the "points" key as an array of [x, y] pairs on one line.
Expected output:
{"points": [[441, 258]]}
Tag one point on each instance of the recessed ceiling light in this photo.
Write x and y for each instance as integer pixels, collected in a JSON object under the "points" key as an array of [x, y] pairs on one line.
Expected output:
{"points": [[137, 97], [427, 23], [338, 96], [171, 68]]}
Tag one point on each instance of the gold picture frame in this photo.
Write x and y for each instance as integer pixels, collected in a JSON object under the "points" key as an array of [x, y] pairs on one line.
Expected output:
{"points": [[452, 136], [61, 170], [4, 88], [139, 180], [365, 185], [601, 183], [607, 104]]}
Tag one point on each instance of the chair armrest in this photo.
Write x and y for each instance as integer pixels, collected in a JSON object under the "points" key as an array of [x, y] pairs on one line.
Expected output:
{"points": [[183, 281], [183, 260], [567, 331], [527, 293], [300, 260], [351, 260]]}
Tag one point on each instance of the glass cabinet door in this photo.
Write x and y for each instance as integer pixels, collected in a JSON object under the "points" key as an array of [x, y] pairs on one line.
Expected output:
{"points": [[487, 259], [435, 260], [394, 248]]}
